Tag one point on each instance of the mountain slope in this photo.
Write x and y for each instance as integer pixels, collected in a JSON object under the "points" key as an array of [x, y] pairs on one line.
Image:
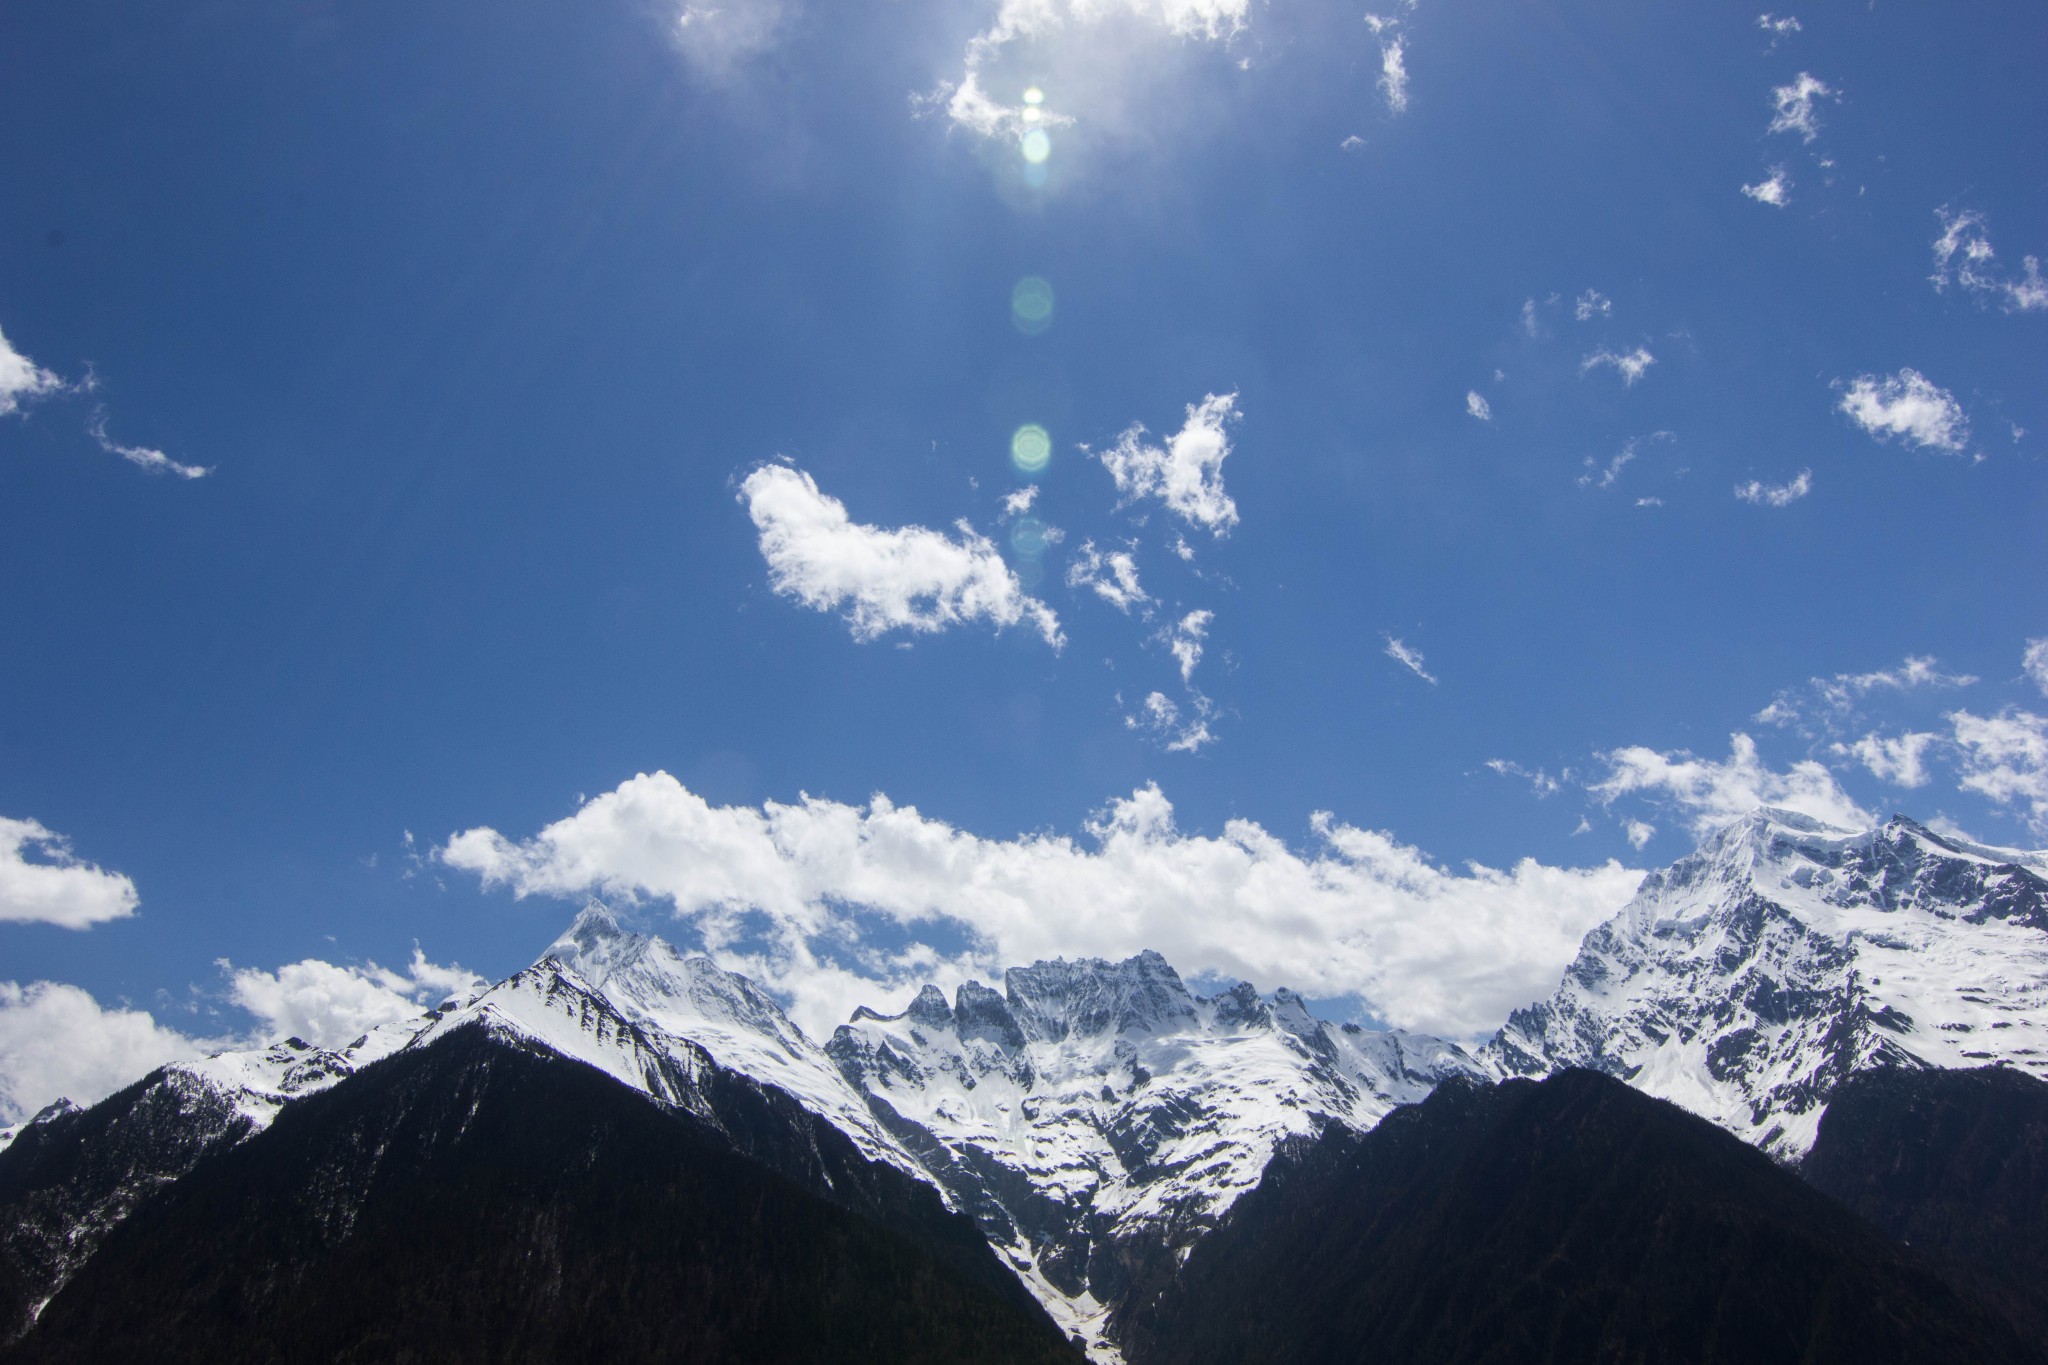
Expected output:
{"points": [[1567, 1220], [1746, 981], [71, 1175], [478, 1198], [1954, 1163], [1098, 1118]]}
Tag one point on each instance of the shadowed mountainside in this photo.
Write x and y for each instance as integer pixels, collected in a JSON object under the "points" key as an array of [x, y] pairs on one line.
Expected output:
{"points": [[476, 1201], [1573, 1219]]}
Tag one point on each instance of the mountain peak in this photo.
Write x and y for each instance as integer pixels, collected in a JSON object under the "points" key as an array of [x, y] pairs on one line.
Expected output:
{"points": [[595, 945], [1090, 995]]}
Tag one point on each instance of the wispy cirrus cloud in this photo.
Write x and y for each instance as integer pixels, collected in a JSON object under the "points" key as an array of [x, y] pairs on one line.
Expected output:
{"points": [[1187, 472], [1409, 658], [1713, 792], [2034, 663], [882, 579], [1963, 256], [1184, 641], [1112, 575], [1393, 61], [1630, 365], [1907, 405], [1794, 106], [142, 457], [1540, 782], [1830, 702], [1182, 730], [1762, 494]]}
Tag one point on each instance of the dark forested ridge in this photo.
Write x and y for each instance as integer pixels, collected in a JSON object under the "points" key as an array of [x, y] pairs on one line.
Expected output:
{"points": [[74, 1173], [473, 1201], [1567, 1220], [1954, 1163]]}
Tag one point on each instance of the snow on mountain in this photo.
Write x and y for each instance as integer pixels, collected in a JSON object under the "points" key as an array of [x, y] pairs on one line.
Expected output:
{"points": [[1745, 981], [1097, 1118], [741, 1026]]}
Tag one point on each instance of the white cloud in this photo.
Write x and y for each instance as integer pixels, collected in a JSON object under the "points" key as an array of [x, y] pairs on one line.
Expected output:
{"points": [[2035, 663], [1185, 641], [155, 461], [1540, 782], [21, 379], [718, 39], [55, 887], [1018, 503], [1901, 760], [1776, 495], [1394, 75], [1597, 476], [1906, 404], [1185, 551], [1161, 718], [1530, 323], [1630, 367], [1716, 793], [1355, 912], [1775, 191], [1592, 304], [1477, 405], [331, 1006], [1776, 27], [1410, 659], [909, 579], [1840, 695], [1113, 576], [2005, 758], [1651, 501], [56, 1041], [1187, 475], [1918, 670], [1963, 254], [1640, 832], [1077, 46], [1794, 104]]}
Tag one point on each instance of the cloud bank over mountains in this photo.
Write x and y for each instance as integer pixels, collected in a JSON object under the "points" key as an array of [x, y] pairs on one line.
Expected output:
{"points": [[834, 904]]}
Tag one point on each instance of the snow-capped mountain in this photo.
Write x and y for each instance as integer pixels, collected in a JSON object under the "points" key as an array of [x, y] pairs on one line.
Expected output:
{"points": [[1747, 980], [1097, 1118]]}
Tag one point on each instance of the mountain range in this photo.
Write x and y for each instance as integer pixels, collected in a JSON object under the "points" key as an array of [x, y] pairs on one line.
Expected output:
{"points": [[1068, 1156]]}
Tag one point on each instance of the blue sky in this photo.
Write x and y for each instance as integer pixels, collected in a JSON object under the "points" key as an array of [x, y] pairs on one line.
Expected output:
{"points": [[427, 420]]}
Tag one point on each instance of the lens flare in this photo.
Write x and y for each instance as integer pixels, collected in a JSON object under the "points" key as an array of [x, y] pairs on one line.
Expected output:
{"points": [[1037, 146], [1034, 96], [1028, 538], [1030, 448], [1031, 305]]}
